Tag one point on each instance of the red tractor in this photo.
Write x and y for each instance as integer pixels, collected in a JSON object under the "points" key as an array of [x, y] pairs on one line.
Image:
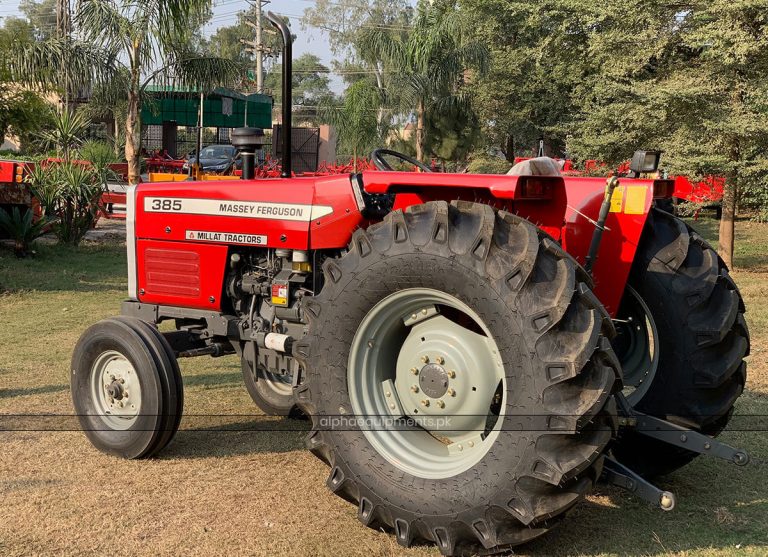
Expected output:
{"points": [[474, 352]]}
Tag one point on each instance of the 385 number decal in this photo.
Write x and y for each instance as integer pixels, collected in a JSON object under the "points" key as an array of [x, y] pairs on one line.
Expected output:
{"points": [[166, 204]]}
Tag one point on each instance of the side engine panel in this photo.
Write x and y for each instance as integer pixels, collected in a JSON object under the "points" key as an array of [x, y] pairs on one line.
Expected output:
{"points": [[183, 231]]}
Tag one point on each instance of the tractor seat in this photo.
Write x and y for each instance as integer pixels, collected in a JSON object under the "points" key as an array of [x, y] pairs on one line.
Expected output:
{"points": [[540, 166]]}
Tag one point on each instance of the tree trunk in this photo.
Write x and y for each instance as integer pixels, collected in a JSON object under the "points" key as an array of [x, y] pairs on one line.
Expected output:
{"points": [[132, 139], [509, 148], [728, 224], [420, 120]]}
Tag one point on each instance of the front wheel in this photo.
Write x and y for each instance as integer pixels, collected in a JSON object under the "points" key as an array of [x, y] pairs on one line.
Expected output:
{"points": [[126, 387], [457, 377]]}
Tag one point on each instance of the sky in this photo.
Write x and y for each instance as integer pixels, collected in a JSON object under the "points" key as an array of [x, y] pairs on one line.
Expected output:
{"points": [[225, 13]]}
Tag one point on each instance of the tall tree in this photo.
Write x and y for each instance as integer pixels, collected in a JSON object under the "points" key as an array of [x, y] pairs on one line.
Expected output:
{"points": [[688, 78], [537, 51], [311, 86], [148, 39], [432, 61], [355, 119]]}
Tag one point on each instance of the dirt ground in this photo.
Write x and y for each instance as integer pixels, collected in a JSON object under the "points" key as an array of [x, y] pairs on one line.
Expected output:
{"points": [[259, 492]]}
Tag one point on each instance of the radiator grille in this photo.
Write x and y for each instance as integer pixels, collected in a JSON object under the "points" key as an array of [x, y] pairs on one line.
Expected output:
{"points": [[172, 272]]}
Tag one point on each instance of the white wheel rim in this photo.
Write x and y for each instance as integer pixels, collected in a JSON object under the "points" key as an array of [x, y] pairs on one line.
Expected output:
{"points": [[115, 390]]}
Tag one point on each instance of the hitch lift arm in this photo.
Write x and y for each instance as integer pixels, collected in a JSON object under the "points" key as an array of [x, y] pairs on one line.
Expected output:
{"points": [[617, 474]]}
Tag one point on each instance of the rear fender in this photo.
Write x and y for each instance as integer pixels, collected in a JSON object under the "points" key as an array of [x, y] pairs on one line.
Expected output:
{"points": [[630, 205], [510, 193]]}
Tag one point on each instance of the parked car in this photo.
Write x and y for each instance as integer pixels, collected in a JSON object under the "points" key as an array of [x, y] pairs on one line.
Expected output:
{"points": [[215, 158]]}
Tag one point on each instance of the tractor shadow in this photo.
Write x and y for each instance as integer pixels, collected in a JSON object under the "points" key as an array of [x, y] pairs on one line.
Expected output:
{"points": [[31, 391], [232, 435]]}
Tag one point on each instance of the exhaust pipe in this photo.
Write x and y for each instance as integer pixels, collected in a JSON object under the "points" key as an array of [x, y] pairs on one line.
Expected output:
{"points": [[287, 99]]}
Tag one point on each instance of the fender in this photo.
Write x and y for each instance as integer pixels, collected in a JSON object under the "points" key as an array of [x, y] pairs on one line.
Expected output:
{"points": [[540, 199], [630, 205]]}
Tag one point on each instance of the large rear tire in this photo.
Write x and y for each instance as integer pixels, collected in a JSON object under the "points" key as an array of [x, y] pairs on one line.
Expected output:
{"points": [[527, 336], [126, 388], [693, 369]]}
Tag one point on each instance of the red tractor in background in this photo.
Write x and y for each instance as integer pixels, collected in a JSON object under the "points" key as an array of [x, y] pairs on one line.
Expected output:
{"points": [[13, 191], [474, 352]]}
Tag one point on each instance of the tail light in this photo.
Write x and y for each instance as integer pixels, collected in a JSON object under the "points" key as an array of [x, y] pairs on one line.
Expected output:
{"points": [[535, 187], [663, 189], [19, 173]]}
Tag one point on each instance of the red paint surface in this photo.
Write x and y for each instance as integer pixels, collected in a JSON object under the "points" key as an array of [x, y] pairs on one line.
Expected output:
{"points": [[565, 215]]}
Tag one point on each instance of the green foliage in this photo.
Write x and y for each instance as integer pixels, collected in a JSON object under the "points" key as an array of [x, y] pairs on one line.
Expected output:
{"points": [[69, 193], [432, 61], [485, 164], [355, 120], [23, 229], [311, 87], [67, 132], [100, 153]]}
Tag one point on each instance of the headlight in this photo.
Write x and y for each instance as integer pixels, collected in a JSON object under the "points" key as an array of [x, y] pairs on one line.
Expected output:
{"points": [[645, 162]]}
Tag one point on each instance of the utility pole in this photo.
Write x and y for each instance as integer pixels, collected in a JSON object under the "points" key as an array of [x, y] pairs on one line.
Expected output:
{"points": [[257, 46]]}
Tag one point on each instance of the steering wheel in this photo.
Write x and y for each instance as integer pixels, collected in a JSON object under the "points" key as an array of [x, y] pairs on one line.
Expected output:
{"points": [[378, 159]]}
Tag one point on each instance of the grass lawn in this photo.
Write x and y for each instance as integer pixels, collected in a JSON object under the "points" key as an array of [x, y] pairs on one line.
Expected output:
{"points": [[260, 493]]}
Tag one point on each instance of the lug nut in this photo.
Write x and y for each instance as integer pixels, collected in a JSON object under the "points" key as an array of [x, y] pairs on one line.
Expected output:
{"points": [[415, 370], [424, 311], [471, 444], [425, 402], [414, 316], [460, 447], [450, 392], [425, 359], [440, 360], [392, 406], [452, 374], [414, 388], [122, 381], [440, 404], [388, 393]]}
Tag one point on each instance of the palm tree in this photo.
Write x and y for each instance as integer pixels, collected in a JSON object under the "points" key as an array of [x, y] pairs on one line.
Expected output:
{"points": [[148, 40], [355, 119], [430, 62]]}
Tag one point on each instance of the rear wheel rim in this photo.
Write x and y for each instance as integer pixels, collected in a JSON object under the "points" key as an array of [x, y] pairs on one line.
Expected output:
{"points": [[636, 345], [278, 383], [115, 390], [426, 383]]}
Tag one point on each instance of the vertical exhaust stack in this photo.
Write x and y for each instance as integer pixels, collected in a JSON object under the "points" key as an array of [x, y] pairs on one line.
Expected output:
{"points": [[287, 99]]}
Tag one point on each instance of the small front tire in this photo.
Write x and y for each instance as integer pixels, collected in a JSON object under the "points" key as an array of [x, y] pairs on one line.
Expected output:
{"points": [[126, 388]]}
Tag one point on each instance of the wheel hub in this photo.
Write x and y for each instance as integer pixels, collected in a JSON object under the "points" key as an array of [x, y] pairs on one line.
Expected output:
{"points": [[115, 390], [433, 380]]}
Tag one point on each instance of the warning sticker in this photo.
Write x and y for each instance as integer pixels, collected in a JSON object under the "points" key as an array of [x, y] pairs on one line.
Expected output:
{"points": [[635, 203], [226, 237], [616, 199]]}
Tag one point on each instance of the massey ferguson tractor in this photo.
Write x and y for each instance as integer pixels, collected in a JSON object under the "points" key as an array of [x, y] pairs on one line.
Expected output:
{"points": [[474, 352]]}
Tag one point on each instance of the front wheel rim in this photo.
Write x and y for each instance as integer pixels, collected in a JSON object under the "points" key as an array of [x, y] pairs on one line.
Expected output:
{"points": [[115, 390], [426, 383]]}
